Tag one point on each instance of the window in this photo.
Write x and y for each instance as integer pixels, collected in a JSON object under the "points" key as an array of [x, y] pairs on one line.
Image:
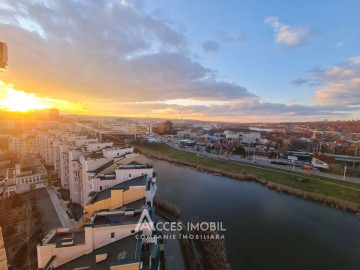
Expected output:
{"points": [[112, 235], [132, 231], [129, 174], [100, 187]]}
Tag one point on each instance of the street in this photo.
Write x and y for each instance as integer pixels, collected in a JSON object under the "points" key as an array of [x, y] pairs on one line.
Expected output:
{"points": [[266, 162]]}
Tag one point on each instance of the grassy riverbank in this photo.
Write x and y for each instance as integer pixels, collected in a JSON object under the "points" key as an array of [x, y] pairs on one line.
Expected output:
{"points": [[297, 184]]}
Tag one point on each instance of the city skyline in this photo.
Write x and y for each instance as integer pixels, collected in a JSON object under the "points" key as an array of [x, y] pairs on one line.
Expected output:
{"points": [[234, 62]]}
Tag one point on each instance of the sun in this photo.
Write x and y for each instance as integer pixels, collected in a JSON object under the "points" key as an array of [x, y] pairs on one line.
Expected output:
{"points": [[15, 100]]}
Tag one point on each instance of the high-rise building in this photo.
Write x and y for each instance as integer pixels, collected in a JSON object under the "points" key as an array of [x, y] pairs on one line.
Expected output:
{"points": [[164, 128]]}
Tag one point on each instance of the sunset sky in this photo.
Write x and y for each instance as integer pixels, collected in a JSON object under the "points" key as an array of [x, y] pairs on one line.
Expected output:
{"points": [[245, 61]]}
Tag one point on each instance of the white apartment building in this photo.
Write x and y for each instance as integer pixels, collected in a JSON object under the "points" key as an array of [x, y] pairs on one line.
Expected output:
{"points": [[85, 141], [64, 165], [22, 179], [98, 146], [110, 240], [118, 170], [24, 144], [81, 161], [131, 129], [242, 136]]}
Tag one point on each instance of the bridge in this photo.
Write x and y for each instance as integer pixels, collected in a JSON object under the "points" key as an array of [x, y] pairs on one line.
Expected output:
{"points": [[353, 160]]}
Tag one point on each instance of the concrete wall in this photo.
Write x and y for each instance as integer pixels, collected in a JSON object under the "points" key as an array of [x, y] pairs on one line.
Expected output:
{"points": [[132, 266], [118, 198], [97, 146], [112, 153], [95, 238], [121, 176], [64, 254]]}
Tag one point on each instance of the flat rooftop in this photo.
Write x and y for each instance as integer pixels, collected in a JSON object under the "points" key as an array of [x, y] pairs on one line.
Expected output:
{"points": [[26, 171], [78, 238], [135, 205], [97, 154], [105, 194], [116, 219], [111, 166], [134, 164], [121, 251]]}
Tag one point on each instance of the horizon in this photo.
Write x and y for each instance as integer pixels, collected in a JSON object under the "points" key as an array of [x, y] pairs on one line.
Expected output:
{"points": [[29, 112]]}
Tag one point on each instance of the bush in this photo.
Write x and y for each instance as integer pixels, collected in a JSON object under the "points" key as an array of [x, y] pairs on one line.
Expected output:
{"points": [[240, 151], [213, 251], [167, 208]]}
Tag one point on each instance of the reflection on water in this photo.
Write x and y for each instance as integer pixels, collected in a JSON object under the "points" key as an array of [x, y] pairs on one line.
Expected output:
{"points": [[265, 229]]}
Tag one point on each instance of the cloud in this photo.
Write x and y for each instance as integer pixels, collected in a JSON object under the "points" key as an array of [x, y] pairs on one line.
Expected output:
{"points": [[290, 36], [250, 108], [340, 44], [234, 36], [210, 46], [300, 81], [96, 49], [119, 59], [338, 85]]}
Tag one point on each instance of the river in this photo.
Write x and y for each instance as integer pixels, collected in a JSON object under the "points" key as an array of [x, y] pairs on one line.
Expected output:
{"points": [[265, 229]]}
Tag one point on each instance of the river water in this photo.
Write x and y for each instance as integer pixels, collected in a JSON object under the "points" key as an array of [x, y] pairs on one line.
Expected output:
{"points": [[265, 229]]}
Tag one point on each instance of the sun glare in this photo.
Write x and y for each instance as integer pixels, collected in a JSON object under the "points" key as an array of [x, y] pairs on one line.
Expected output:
{"points": [[15, 100]]}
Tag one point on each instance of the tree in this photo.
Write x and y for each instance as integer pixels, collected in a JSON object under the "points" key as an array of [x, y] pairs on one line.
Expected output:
{"points": [[239, 150], [272, 154]]}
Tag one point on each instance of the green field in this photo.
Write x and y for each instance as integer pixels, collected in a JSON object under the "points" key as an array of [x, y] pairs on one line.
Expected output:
{"points": [[298, 181]]}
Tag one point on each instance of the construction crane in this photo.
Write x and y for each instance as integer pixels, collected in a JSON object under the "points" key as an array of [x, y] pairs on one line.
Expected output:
{"points": [[3, 55]]}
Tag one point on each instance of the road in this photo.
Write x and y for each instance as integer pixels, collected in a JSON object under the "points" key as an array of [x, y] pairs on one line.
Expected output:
{"points": [[173, 255], [64, 218], [272, 167]]}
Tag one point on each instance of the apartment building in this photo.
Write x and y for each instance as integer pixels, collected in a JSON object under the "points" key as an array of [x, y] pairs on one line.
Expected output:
{"points": [[109, 240], [115, 187], [22, 178], [242, 136], [24, 144], [84, 160], [133, 193], [130, 129]]}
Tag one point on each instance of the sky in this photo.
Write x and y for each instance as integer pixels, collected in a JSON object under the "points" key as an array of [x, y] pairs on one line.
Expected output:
{"points": [[236, 61]]}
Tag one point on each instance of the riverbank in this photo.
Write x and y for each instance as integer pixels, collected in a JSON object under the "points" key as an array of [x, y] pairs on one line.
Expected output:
{"points": [[200, 249], [299, 184]]}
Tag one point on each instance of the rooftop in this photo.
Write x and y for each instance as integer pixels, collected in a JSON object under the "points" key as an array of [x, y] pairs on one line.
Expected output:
{"points": [[134, 164], [26, 170], [126, 250], [122, 162], [97, 154], [105, 194], [116, 219], [78, 238]]}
